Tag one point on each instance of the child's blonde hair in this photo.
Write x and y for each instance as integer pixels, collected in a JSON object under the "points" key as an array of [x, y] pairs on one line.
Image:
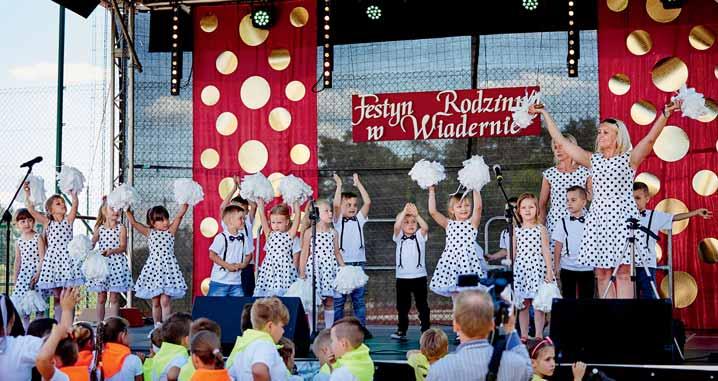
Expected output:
{"points": [[101, 218], [280, 210], [266, 310], [453, 199], [434, 344], [528, 196]]}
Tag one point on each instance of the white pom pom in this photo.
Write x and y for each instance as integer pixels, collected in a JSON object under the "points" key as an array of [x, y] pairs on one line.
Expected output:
{"points": [[71, 179], [256, 186], [506, 262], [427, 173], [349, 278], [520, 112], [475, 174], [80, 247], [545, 295], [294, 189], [95, 267], [31, 302], [37, 190], [123, 197], [188, 191], [507, 294], [694, 104], [302, 288]]}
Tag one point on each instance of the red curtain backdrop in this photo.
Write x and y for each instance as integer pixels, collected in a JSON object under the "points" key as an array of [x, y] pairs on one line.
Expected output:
{"points": [[669, 40], [248, 86]]}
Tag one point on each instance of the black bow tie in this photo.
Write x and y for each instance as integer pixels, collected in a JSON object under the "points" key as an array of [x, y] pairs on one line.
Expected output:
{"points": [[404, 237], [345, 219], [239, 237], [581, 219], [643, 213]]}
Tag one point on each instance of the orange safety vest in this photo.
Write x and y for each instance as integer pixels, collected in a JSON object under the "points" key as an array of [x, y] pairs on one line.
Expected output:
{"points": [[211, 375], [84, 358], [113, 357], [77, 372]]}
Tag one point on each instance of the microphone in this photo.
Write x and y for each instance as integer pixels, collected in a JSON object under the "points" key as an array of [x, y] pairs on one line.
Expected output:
{"points": [[497, 172], [32, 162]]}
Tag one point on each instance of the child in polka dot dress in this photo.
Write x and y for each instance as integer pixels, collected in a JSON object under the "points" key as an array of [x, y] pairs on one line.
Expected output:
{"points": [[278, 270], [328, 259], [29, 253], [58, 270], [161, 277], [110, 237], [532, 264], [459, 256]]}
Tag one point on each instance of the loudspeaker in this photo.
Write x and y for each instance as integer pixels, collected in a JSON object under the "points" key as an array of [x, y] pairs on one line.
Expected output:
{"points": [[618, 331], [227, 312], [83, 8]]}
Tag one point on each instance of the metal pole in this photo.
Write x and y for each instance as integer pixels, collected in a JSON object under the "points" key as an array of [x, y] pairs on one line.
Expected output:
{"points": [[111, 132], [60, 89], [130, 9], [475, 44], [670, 268]]}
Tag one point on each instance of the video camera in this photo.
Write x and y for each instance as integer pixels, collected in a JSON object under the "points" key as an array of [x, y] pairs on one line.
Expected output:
{"points": [[495, 283]]}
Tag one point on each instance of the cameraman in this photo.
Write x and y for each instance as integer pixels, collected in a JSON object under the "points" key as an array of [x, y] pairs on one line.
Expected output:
{"points": [[473, 322]]}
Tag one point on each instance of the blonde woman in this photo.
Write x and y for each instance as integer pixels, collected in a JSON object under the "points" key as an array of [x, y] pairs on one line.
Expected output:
{"points": [[613, 167]]}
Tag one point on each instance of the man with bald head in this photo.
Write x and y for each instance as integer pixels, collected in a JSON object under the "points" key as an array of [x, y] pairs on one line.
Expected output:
{"points": [[473, 322]]}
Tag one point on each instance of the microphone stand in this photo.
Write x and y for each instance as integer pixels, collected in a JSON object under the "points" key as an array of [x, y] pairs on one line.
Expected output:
{"points": [[313, 217], [510, 218], [7, 219]]}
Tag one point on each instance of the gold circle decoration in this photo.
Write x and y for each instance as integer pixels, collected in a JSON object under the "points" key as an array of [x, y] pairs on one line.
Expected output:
{"points": [[617, 5], [209, 158], [672, 144], [705, 182], [300, 154], [208, 23], [643, 112], [204, 286], [715, 71], [299, 17], [210, 95], [255, 92], [249, 34], [295, 91], [276, 178], [639, 42], [619, 84], [279, 119], [279, 59], [712, 113], [225, 186], [226, 123], [684, 286], [651, 180], [655, 10], [659, 253], [209, 227], [669, 74], [708, 250], [226, 62], [252, 156], [674, 206], [701, 37]]}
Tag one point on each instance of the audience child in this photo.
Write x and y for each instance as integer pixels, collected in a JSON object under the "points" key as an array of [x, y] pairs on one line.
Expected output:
{"points": [[201, 324], [207, 357], [113, 357], [322, 349], [353, 362], [84, 336], [155, 337], [434, 345], [543, 360], [286, 350], [173, 354]]}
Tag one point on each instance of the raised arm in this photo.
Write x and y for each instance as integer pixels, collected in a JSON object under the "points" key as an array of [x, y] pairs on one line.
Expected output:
{"points": [[178, 218], [544, 196], [263, 218], [422, 223], [252, 211], [645, 146], [296, 219], [478, 207], [337, 202], [227, 199], [39, 217], [433, 212], [141, 228], [44, 360], [703, 212], [399, 219], [546, 251], [366, 200], [73, 208], [578, 154]]}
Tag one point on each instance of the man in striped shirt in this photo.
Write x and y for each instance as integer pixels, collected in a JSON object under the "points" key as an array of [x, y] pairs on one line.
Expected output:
{"points": [[473, 321]]}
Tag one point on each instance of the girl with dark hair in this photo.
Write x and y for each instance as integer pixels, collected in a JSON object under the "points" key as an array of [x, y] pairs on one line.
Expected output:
{"points": [[207, 357], [113, 359]]}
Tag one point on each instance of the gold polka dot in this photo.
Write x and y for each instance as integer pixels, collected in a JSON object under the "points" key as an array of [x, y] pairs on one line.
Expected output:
{"points": [[672, 144], [208, 23], [249, 34], [209, 158], [715, 71], [300, 154], [210, 95], [253, 156], [299, 17], [295, 91], [659, 252], [705, 182], [209, 227], [280, 119], [225, 186], [701, 37], [617, 5], [619, 84], [655, 10], [226, 62], [651, 180], [204, 286], [639, 42], [275, 178], [279, 59], [255, 92], [674, 206], [712, 113], [684, 286], [226, 123], [669, 74], [708, 250], [643, 112]]}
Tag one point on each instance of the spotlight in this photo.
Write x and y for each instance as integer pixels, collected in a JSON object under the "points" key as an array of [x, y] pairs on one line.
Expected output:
{"points": [[530, 5], [673, 4], [328, 46], [263, 15], [373, 12], [176, 51], [574, 49]]}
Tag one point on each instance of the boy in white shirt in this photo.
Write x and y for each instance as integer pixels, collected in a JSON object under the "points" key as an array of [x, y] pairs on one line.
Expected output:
{"points": [[250, 209], [230, 253], [577, 281], [410, 235]]}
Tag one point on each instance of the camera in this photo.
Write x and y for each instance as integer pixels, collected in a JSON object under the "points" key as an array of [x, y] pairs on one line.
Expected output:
{"points": [[495, 283]]}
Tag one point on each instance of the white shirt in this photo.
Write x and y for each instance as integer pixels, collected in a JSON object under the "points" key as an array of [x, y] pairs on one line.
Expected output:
{"points": [[59, 376], [131, 367], [342, 374], [19, 357], [504, 240], [177, 362], [660, 221], [247, 231], [235, 252], [575, 235], [413, 263], [259, 352], [351, 242], [296, 245]]}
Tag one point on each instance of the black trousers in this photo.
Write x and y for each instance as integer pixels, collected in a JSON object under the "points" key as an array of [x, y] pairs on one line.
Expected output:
{"points": [[577, 284], [247, 275], [404, 289]]}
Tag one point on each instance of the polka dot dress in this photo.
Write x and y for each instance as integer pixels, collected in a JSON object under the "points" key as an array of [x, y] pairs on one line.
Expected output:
{"points": [[530, 268], [119, 279], [161, 273], [58, 268], [277, 272], [457, 259], [606, 228], [29, 258], [327, 265], [560, 181]]}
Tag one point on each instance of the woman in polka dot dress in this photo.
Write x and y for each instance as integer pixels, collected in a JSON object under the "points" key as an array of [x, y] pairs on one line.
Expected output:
{"points": [[459, 256], [29, 253], [58, 269], [328, 256], [532, 264], [278, 270], [613, 168], [110, 237], [161, 277]]}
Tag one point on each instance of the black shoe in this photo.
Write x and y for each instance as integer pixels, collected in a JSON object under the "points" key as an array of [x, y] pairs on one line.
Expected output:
{"points": [[398, 335]]}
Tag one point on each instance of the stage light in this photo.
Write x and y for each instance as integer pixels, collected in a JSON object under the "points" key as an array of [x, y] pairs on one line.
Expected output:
{"points": [[673, 4], [175, 51], [574, 49], [328, 50], [530, 5], [263, 15], [373, 12]]}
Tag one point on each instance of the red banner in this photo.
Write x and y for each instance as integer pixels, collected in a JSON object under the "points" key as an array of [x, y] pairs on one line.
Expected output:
{"points": [[446, 114]]}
